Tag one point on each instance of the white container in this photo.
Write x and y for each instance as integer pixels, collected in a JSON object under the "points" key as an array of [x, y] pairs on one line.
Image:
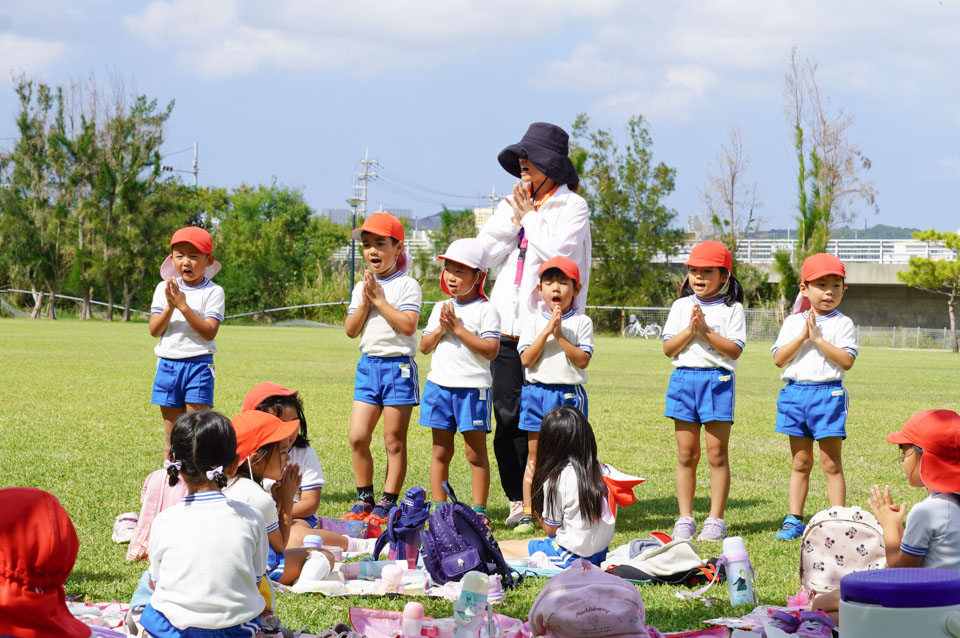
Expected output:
{"points": [[316, 567], [883, 602], [739, 572]]}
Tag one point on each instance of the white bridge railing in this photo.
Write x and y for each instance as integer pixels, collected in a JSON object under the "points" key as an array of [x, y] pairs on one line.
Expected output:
{"points": [[871, 251]]}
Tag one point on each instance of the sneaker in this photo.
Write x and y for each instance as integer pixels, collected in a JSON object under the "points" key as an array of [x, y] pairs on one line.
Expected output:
{"points": [[792, 529], [685, 527], [815, 624], [359, 512], [525, 526], [714, 529], [380, 512], [516, 513]]}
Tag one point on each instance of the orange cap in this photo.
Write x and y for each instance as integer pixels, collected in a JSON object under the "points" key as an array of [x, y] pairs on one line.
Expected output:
{"points": [[196, 237], [820, 265], [382, 224], [566, 265], [261, 391], [256, 429], [937, 433], [710, 253]]}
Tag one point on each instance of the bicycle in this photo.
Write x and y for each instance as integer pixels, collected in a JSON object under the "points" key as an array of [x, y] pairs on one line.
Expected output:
{"points": [[635, 329]]}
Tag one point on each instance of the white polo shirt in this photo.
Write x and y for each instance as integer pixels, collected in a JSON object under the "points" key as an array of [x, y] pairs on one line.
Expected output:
{"points": [[810, 365], [180, 340], [207, 554], [560, 227], [726, 321], [246, 491], [575, 534], [553, 366], [378, 338], [933, 531], [453, 364]]}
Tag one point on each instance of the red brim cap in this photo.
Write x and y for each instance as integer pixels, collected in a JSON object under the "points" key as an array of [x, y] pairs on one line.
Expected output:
{"points": [[937, 433], [710, 254], [566, 265], [382, 224], [196, 237], [820, 265], [262, 391], [255, 429]]}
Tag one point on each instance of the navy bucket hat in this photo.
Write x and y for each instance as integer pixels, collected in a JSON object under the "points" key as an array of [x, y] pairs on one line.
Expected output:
{"points": [[547, 147]]}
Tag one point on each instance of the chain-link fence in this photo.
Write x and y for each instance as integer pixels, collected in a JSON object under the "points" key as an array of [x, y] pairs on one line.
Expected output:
{"points": [[902, 337], [762, 323]]}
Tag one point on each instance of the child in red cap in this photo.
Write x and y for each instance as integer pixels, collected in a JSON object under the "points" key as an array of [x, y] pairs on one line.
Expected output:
{"points": [[464, 336], [38, 547], [704, 334], [186, 313], [555, 347], [384, 311], [815, 348], [930, 456]]}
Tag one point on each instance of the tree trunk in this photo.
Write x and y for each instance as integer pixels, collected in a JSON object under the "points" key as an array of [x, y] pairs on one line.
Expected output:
{"points": [[953, 323], [109, 284], [51, 304], [127, 299], [37, 302], [85, 304]]}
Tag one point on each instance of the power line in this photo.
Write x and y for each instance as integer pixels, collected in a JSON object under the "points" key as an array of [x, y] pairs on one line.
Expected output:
{"points": [[417, 186]]}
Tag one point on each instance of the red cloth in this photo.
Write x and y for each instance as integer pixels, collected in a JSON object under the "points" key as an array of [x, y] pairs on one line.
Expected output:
{"points": [[38, 547], [621, 492]]}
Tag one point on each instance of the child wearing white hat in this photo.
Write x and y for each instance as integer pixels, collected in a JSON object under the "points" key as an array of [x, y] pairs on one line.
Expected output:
{"points": [[464, 336]]}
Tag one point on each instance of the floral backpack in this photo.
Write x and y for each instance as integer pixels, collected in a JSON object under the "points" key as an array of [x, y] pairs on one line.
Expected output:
{"points": [[837, 542]]}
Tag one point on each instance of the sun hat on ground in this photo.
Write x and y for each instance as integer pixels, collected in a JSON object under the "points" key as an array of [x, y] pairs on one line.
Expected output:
{"points": [[38, 548], [547, 147], [471, 253], [199, 239], [255, 429], [262, 391], [566, 265], [710, 253], [937, 433]]}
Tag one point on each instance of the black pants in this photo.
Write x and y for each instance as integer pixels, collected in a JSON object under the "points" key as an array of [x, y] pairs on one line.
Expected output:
{"points": [[509, 442]]}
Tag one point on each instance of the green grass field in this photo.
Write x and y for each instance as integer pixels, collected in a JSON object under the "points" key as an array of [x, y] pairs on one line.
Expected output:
{"points": [[76, 421]]}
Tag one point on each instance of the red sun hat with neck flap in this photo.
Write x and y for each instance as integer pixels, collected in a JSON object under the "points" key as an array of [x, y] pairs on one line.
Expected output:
{"points": [[262, 391], [38, 547], [382, 224], [199, 239], [255, 429], [709, 254], [820, 265], [937, 433], [566, 265]]}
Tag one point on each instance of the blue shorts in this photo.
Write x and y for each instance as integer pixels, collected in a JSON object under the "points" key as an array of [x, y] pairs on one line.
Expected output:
{"points": [[813, 410], [275, 564], [387, 381], [157, 625], [536, 399], [311, 520], [182, 381], [558, 555], [463, 409], [701, 395]]}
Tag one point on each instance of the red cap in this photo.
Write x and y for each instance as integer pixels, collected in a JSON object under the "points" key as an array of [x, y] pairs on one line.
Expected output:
{"points": [[820, 265], [382, 224], [262, 391], [196, 237], [937, 433], [38, 547], [566, 265], [256, 429], [710, 253]]}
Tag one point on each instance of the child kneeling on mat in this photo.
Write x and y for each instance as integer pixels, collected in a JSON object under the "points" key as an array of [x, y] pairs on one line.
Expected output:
{"points": [[570, 496]]}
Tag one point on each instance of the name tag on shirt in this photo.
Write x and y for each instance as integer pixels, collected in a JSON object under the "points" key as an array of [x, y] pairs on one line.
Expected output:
{"points": [[405, 370]]}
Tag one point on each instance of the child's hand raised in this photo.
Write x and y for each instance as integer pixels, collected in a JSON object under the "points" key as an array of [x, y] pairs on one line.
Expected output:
{"points": [[449, 322], [174, 295], [556, 322], [813, 330], [883, 507], [289, 483], [698, 320], [372, 290]]}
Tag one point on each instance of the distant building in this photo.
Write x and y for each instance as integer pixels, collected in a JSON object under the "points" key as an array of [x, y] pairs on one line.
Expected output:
{"points": [[338, 215], [482, 214]]}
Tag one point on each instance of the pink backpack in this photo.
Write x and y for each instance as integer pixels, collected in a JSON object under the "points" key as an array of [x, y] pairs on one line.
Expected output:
{"points": [[156, 496], [837, 542], [584, 600]]}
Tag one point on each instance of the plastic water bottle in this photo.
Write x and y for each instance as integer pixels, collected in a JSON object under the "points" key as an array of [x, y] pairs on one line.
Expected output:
{"points": [[312, 540], [739, 572]]}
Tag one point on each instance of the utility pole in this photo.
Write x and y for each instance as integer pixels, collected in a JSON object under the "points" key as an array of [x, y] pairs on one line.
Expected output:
{"points": [[493, 197], [196, 165], [358, 204]]}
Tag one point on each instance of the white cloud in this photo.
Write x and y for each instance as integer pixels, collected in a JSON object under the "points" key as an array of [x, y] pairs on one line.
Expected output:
{"points": [[28, 54]]}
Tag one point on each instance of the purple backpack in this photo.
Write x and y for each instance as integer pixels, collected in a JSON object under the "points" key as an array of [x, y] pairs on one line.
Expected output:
{"points": [[404, 523], [456, 541]]}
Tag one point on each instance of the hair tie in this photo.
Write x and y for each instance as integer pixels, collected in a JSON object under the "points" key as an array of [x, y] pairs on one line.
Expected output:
{"points": [[214, 473], [167, 464]]}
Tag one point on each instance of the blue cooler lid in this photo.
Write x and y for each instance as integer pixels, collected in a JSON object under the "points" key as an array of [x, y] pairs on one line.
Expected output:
{"points": [[900, 587]]}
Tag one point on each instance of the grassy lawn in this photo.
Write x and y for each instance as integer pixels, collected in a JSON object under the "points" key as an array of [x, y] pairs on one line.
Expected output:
{"points": [[76, 421]]}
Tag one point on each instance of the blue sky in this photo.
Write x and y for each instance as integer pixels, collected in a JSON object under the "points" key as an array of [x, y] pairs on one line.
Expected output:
{"points": [[297, 89]]}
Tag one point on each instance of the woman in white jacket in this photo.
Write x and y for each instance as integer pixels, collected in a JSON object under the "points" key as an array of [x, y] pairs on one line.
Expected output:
{"points": [[543, 218]]}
